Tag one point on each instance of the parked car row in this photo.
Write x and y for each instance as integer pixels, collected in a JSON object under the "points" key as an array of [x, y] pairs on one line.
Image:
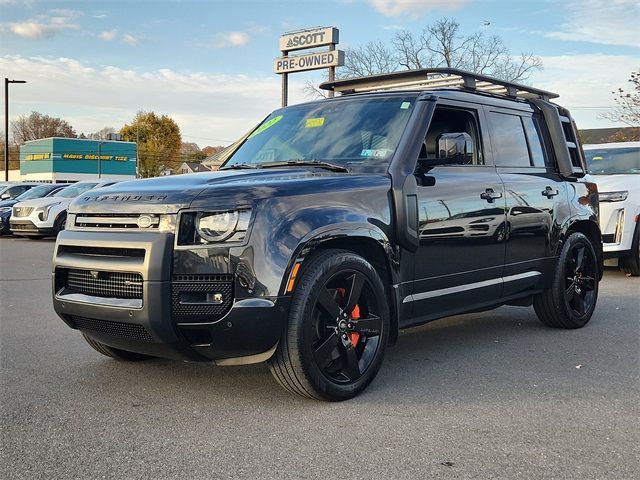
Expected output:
{"points": [[36, 210]]}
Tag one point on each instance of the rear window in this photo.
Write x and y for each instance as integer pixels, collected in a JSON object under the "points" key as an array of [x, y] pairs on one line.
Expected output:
{"points": [[509, 141]]}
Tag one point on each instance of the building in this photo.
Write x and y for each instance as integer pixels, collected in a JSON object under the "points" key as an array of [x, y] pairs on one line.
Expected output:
{"points": [[73, 159], [193, 167]]}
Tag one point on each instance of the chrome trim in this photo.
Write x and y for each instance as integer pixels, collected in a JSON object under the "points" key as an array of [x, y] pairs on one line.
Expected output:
{"points": [[132, 303], [619, 226], [468, 286]]}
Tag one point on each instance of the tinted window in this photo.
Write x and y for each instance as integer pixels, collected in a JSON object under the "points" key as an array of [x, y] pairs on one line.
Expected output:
{"points": [[535, 142], [611, 161], [508, 141], [449, 120]]}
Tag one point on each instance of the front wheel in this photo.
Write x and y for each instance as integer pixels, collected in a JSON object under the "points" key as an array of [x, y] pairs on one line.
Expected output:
{"points": [[337, 331], [570, 300]]}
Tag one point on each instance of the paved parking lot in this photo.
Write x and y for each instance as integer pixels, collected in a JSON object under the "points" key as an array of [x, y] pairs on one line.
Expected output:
{"points": [[493, 394]]}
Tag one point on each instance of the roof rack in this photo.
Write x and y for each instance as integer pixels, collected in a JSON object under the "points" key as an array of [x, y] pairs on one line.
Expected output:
{"points": [[433, 78]]}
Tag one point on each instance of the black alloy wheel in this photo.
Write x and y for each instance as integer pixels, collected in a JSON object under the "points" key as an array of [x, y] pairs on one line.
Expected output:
{"points": [[338, 328], [346, 326], [571, 298], [580, 280]]}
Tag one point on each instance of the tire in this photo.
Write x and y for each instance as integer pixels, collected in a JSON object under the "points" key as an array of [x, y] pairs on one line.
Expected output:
{"points": [[333, 357], [34, 237], [630, 263], [115, 352], [58, 225], [570, 300]]}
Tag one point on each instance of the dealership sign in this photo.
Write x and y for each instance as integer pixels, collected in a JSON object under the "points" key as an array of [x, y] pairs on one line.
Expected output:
{"points": [[312, 61], [309, 39]]}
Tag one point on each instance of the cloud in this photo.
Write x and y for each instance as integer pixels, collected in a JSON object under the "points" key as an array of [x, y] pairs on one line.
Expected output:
{"points": [[206, 106], [131, 39], [585, 82], [395, 8], [45, 26], [107, 36], [614, 22], [230, 39]]}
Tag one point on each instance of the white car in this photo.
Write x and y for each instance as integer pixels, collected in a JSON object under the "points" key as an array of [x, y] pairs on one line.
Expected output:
{"points": [[46, 216], [615, 168]]}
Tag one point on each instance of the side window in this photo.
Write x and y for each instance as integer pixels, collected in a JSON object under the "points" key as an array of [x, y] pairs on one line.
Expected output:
{"points": [[452, 120], [508, 140], [535, 142]]}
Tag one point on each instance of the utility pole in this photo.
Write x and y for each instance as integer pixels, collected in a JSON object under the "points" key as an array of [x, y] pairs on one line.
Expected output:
{"points": [[6, 125]]}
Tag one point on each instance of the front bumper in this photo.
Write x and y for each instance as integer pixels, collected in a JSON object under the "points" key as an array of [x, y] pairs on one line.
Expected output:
{"points": [[157, 322], [28, 228]]}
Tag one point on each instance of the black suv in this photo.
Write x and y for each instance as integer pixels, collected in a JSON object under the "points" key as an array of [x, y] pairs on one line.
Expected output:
{"points": [[333, 224]]}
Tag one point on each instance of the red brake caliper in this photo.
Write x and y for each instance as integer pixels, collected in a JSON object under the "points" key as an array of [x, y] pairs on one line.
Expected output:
{"points": [[355, 315]]}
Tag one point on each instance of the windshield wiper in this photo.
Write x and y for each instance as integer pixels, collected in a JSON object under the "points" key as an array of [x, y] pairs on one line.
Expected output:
{"points": [[306, 163], [240, 166]]}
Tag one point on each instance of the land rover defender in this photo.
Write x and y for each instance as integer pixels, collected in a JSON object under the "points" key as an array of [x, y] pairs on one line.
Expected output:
{"points": [[410, 197]]}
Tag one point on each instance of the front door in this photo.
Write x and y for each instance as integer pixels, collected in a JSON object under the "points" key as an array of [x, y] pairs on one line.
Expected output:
{"points": [[461, 212]]}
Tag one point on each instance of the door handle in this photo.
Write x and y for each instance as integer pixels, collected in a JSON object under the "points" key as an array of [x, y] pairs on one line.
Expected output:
{"points": [[549, 192], [489, 195]]}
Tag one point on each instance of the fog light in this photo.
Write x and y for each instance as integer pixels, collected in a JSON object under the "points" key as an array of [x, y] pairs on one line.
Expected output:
{"points": [[215, 298]]}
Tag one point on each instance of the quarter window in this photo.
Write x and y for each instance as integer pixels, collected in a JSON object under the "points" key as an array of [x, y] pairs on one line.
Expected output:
{"points": [[535, 142], [509, 141]]}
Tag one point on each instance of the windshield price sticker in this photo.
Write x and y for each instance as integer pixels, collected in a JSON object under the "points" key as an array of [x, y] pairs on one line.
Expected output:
{"points": [[308, 39], [268, 124], [314, 122]]}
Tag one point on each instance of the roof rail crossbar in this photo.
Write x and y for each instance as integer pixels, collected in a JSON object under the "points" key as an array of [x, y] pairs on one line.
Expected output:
{"points": [[431, 78]]}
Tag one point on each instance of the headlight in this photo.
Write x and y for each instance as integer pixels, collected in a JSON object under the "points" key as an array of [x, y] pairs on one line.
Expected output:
{"points": [[43, 212], [197, 228], [613, 196]]}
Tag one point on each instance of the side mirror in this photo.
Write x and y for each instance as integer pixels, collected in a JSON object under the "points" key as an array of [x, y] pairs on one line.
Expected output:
{"points": [[451, 149], [5, 196], [455, 147]]}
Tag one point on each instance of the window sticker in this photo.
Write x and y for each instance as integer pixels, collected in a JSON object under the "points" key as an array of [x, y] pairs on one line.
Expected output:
{"points": [[405, 105], [375, 152], [268, 124], [314, 122]]}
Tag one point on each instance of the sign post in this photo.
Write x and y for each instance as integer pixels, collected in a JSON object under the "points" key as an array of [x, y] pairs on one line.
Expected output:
{"points": [[302, 40]]}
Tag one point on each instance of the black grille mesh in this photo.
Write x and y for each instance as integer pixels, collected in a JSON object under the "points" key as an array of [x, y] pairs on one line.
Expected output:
{"points": [[105, 284], [131, 331], [203, 312]]}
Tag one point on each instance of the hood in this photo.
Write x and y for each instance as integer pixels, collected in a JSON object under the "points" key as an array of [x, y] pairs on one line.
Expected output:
{"points": [[44, 201], [8, 203], [615, 183], [227, 188]]}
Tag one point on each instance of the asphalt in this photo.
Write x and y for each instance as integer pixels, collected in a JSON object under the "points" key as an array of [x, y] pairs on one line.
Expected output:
{"points": [[488, 395]]}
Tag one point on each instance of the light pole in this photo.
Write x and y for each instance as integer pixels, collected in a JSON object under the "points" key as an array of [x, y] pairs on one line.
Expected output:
{"points": [[100, 159], [6, 124]]}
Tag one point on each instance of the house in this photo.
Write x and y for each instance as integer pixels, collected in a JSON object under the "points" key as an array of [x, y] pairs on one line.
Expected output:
{"points": [[193, 167]]}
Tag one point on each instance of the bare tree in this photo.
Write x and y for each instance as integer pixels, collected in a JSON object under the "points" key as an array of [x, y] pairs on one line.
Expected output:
{"points": [[441, 44], [37, 125], [628, 103]]}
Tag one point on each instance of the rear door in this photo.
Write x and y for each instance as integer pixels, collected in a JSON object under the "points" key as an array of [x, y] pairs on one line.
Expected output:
{"points": [[536, 196]]}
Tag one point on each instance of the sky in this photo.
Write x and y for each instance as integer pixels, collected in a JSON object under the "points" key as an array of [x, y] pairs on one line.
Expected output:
{"points": [[209, 64]]}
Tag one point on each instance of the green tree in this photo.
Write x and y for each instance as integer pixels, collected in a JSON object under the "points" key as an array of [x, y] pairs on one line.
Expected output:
{"points": [[158, 139]]}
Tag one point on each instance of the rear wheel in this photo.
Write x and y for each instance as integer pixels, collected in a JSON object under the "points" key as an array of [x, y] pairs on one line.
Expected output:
{"points": [[115, 352], [570, 300], [630, 263], [337, 331], [58, 225]]}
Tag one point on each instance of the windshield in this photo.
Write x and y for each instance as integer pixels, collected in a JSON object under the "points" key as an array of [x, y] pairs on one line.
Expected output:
{"points": [[74, 190], [35, 192], [352, 132], [611, 161]]}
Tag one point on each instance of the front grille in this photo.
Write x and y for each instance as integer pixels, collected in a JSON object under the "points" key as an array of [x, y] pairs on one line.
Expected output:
{"points": [[21, 226], [120, 221], [22, 211], [130, 331], [188, 297], [101, 284]]}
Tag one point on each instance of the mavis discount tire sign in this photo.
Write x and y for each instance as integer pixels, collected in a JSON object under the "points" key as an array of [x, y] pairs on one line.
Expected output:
{"points": [[312, 61]]}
